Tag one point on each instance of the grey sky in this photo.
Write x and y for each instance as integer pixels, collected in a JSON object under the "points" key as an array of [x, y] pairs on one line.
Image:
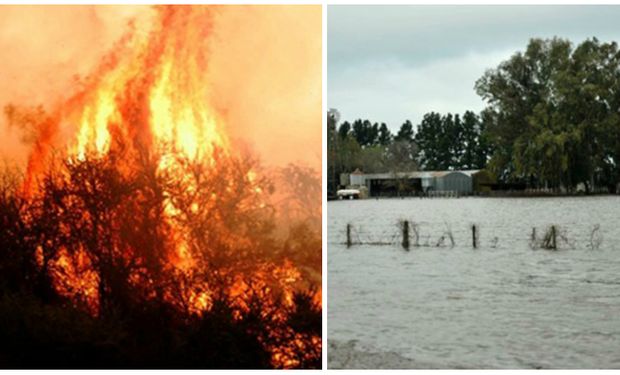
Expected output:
{"points": [[392, 63]]}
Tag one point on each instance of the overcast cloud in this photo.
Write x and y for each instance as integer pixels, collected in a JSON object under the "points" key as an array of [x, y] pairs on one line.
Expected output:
{"points": [[392, 63]]}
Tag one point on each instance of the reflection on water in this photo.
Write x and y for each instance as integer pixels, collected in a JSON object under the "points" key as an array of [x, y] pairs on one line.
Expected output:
{"points": [[506, 304]]}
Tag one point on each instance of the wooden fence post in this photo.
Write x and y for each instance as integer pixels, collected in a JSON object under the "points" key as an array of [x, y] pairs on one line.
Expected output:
{"points": [[473, 236], [349, 243], [406, 235]]}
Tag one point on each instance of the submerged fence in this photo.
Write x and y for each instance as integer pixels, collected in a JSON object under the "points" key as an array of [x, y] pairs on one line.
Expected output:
{"points": [[408, 234]]}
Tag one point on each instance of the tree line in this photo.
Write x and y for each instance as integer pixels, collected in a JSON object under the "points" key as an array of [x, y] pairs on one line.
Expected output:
{"points": [[442, 142], [552, 120]]}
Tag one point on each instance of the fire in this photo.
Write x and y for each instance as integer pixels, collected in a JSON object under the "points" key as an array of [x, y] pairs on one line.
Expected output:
{"points": [[157, 88], [150, 93]]}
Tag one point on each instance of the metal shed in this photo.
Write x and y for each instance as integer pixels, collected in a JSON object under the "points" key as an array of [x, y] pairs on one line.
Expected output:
{"points": [[414, 182], [457, 181]]}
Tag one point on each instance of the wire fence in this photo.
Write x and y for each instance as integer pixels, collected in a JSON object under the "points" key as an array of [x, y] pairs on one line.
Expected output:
{"points": [[409, 234]]}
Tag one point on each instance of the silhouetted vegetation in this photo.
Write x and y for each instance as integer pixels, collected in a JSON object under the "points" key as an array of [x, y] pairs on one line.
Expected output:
{"points": [[115, 262]]}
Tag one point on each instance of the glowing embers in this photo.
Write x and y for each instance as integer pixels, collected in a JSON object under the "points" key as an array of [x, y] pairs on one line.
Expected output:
{"points": [[74, 277]]}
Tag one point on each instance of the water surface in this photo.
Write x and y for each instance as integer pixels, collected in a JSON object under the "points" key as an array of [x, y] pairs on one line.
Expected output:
{"points": [[506, 304]]}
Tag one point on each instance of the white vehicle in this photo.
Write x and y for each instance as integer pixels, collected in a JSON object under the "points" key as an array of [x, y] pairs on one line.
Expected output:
{"points": [[348, 194]]}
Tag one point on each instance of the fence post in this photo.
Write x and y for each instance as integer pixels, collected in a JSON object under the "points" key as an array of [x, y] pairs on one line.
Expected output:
{"points": [[349, 235], [553, 243], [406, 235], [473, 236]]}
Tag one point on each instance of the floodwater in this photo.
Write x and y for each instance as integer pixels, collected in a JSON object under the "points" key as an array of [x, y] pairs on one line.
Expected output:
{"points": [[506, 304]]}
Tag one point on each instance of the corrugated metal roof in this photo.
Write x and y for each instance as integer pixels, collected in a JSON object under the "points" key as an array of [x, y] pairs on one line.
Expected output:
{"points": [[471, 172], [417, 174]]}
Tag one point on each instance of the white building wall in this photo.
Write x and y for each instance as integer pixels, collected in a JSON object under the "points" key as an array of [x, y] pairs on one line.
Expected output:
{"points": [[357, 179]]}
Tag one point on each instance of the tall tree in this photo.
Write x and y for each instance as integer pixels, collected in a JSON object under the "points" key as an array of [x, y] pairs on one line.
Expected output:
{"points": [[405, 133], [385, 136], [551, 110], [365, 133], [332, 152], [451, 142], [428, 140], [344, 130], [473, 142]]}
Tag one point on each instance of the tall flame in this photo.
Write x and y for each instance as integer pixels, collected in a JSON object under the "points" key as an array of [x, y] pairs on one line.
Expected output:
{"points": [[157, 89], [151, 90]]}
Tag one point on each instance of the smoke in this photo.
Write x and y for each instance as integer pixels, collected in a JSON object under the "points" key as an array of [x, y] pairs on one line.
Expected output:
{"points": [[44, 50], [266, 73], [264, 68]]}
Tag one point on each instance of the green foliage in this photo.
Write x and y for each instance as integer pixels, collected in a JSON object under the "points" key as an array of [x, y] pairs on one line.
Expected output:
{"points": [[365, 133], [385, 136], [448, 142], [405, 133], [369, 147], [344, 130], [401, 156], [551, 120], [552, 114]]}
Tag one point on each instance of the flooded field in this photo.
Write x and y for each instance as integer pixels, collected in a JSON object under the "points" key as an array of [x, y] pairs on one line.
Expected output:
{"points": [[443, 304]]}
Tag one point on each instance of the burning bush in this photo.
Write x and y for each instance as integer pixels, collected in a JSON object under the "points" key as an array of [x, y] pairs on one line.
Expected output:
{"points": [[113, 235], [141, 239]]}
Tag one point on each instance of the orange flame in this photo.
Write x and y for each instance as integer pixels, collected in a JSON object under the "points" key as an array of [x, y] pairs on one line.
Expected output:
{"points": [[151, 90]]}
